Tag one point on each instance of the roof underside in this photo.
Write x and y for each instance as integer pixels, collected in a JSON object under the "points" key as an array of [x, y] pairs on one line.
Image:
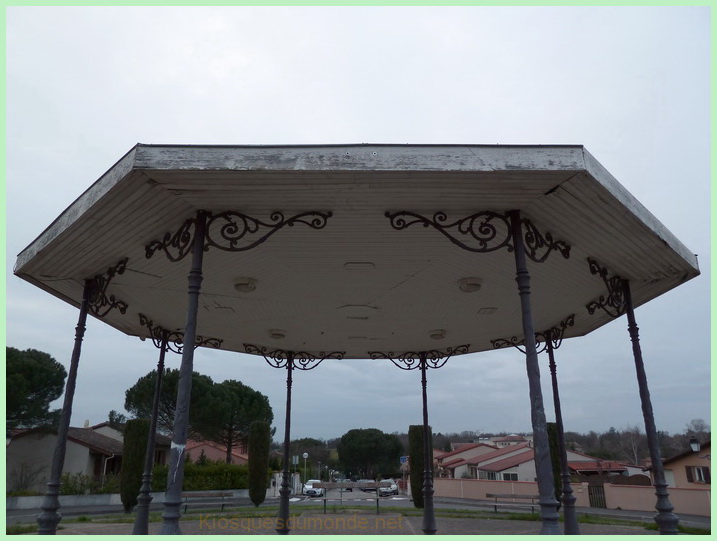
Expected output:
{"points": [[357, 284]]}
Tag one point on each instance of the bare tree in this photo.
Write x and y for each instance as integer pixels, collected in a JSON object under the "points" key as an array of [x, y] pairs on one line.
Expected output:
{"points": [[633, 444], [26, 476]]}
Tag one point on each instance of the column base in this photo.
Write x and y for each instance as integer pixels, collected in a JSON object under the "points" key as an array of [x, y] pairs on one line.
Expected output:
{"points": [[171, 517]]}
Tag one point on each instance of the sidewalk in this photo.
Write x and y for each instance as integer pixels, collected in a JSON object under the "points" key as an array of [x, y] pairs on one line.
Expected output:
{"points": [[350, 524]]}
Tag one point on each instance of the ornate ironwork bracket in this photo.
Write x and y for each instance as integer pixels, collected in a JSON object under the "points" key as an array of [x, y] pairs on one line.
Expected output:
{"points": [[175, 339], [411, 360], [100, 303], [176, 246], [555, 335], [614, 303], [231, 231], [483, 232], [301, 360], [535, 243]]}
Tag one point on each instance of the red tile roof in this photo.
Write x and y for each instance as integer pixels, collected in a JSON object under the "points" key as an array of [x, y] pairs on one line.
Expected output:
{"points": [[510, 462], [463, 448]]}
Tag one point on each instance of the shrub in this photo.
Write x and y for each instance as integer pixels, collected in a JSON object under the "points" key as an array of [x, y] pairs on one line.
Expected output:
{"points": [[109, 485], [213, 476], [75, 483]]}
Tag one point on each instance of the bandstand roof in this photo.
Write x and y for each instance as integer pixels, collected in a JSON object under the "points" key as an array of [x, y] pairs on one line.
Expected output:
{"points": [[357, 284]]}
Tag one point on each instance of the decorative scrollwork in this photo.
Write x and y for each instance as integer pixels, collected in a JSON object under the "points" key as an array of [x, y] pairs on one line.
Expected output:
{"points": [[100, 304], [513, 341], [614, 303], [176, 246], [236, 232], [230, 231], [535, 242], [301, 360], [200, 341], [484, 232], [557, 333], [308, 361], [541, 338], [277, 358], [487, 231], [410, 360], [175, 339], [405, 361], [155, 333]]}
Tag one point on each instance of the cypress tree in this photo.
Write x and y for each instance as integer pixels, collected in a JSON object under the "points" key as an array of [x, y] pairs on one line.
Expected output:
{"points": [[555, 460], [258, 448], [415, 453], [134, 449]]}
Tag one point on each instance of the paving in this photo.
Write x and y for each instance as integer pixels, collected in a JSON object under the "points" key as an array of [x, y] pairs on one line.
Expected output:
{"points": [[358, 519], [349, 524]]}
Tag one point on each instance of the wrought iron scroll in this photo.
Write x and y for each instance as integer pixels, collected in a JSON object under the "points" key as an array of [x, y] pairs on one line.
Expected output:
{"points": [[483, 232], [556, 334], [513, 341], [541, 338], [175, 339], [302, 360], [231, 231], [411, 360], [101, 304], [175, 246], [614, 303], [535, 243], [227, 230]]}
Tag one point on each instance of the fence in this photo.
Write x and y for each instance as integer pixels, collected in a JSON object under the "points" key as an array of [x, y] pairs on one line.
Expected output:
{"points": [[687, 501]]}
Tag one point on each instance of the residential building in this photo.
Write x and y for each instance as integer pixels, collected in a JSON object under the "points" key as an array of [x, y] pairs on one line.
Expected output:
{"points": [[215, 452], [515, 462], [507, 441], [455, 463], [93, 451], [689, 469]]}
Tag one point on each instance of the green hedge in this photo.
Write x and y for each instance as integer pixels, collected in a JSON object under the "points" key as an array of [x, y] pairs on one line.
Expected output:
{"points": [[212, 476]]}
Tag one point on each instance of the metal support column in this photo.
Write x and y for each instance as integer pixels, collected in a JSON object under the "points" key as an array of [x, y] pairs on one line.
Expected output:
{"points": [[571, 519], [48, 520], [175, 477], [665, 518], [282, 525], [546, 489], [429, 519], [423, 360], [141, 521]]}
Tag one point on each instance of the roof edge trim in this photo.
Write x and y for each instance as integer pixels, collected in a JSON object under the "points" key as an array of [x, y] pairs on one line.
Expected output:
{"points": [[77, 208]]}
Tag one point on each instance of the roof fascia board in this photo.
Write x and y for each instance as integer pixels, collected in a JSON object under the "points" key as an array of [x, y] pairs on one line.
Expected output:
{"points": [[616, 190], [74, 212], [352, 158]]}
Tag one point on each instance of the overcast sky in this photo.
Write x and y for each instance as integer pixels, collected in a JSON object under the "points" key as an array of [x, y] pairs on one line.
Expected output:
{"points": [[84, 84]]}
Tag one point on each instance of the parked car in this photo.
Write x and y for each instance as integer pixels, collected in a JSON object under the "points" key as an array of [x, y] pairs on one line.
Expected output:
{"points": [[388, 490], [348, 489], [310, 490], [367, 482]]}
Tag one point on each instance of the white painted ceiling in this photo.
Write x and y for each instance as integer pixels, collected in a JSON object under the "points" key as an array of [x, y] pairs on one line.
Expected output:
{"points": [[357, 284]]}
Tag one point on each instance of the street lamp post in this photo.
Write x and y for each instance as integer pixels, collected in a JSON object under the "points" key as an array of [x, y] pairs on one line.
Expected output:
{"points": [[305, 455]]}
